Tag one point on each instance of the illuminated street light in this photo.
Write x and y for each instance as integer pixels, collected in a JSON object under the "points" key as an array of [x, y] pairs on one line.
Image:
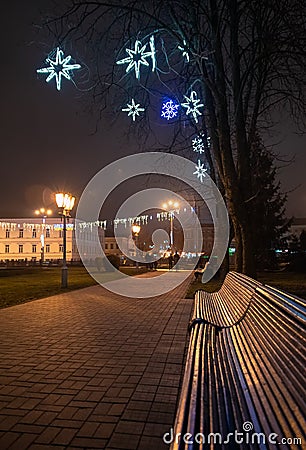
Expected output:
{"points": [[65, 203], [136, 229], [171, 206], [135, 235], [43, 213]]}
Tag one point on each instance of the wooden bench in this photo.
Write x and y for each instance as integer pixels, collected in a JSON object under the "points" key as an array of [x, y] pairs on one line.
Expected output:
{"points": [[244, 370]]}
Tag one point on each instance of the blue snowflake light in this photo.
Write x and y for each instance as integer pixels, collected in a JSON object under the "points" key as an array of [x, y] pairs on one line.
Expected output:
{"points": [[58, 68], [133, 109], [192, 105], [184, 50], [138, 57], [200, 171], [169, 110]]}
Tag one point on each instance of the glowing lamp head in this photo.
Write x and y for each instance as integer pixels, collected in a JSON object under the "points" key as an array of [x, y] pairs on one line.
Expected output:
{"points": [[43, 212], [136, 229], [64, 201], [170, 205]]}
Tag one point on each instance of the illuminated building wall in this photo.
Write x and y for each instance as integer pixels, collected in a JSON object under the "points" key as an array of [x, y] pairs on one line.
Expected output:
{"points": [[21, 239]]}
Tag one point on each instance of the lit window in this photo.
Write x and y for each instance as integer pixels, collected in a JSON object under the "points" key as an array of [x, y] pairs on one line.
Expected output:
{"points": [[7, 249], [20, 248]]}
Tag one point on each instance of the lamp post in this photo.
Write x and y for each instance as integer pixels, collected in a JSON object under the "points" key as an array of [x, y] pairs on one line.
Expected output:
{"points": [[44, 213], [65, 204], [135, 233], [171, 207]]}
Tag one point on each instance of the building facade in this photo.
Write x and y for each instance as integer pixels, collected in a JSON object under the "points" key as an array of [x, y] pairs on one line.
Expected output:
{"points": [[37, 239]]}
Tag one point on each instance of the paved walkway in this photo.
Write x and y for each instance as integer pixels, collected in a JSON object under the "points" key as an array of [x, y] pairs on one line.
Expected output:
{"points": [[89, 369]]}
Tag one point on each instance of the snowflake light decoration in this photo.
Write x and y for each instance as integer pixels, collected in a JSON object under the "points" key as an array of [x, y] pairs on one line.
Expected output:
{"points": [[169, 110], [184, 50], [192, 105], [200, 171], [198, 145], [133, 109], [138, 57], [58, 68]]}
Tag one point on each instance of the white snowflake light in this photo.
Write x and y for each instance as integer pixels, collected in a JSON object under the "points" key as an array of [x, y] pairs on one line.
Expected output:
{"points": [[198, 145], [192, 105], [58, 68], [139, 56], [133, 109], [184, 50], [200, 171], [169, 110]]}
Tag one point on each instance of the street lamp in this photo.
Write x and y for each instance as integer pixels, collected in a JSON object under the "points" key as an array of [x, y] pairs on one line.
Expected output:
{"points": [[65, 204], [135, 233], [171, 206], [43, 213]]}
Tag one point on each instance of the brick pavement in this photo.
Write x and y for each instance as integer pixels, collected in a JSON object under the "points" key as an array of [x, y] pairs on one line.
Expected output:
{"points": [[91, 370]]}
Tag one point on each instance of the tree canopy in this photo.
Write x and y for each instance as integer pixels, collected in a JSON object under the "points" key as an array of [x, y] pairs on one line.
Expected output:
{"points": [[245, 60]]}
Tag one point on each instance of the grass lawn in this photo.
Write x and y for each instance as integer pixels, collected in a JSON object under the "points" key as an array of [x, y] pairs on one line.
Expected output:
{"points": [[293, 283], [22, 285]]}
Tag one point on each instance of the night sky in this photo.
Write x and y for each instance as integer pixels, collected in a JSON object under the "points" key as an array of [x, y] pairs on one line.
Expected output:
{"points": [[47, 139]]}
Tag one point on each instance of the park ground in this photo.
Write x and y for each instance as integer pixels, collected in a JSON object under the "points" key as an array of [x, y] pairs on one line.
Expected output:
{"points": [[23, 285]]}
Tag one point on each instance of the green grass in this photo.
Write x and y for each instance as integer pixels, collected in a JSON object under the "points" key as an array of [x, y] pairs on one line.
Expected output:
{"points": [[25, 285], [293, 283], [22, 285], [211, 286]]}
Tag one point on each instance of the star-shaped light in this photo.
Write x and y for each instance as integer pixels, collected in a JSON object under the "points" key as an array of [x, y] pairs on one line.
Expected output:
{"points": [[200, 171], [184, 50], [192, 104], [139, 56], [133, 109], [58, 68]]}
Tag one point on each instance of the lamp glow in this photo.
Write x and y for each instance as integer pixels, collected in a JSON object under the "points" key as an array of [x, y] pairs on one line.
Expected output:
{"points": [[65, 203], [136, 229]]}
